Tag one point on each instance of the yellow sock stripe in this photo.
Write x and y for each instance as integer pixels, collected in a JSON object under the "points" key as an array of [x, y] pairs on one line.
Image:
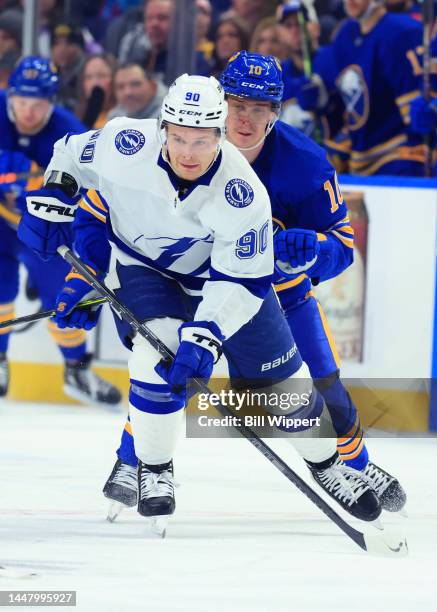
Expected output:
{"points": [[329, 335], [352, 454], [68, 338], [128, 428], [350, 445], [353, 430], [7, 311]]}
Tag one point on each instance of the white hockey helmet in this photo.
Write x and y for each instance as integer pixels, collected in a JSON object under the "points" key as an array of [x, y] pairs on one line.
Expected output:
{"points": [[195, 101]]}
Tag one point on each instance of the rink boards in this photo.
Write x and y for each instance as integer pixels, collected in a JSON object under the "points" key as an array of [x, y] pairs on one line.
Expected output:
{"points": [[381, 312]]}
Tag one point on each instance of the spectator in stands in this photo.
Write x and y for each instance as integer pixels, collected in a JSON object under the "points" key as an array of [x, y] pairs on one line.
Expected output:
{"points": [[147, 43], [231, 36], [96, 90], [251, 11], [203, 24], [137, 93], [265, 39], [50, 13], [120, 26], [69, 57], [10, 43]]}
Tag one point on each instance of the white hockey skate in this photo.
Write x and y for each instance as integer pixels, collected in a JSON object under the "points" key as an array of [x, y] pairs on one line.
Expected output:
{"points": [[156, 495]]}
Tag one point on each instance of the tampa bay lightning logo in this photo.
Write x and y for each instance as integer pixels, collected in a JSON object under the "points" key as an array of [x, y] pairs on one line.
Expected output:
{"points": [[238, 193], [355, 94], [129, 141]]}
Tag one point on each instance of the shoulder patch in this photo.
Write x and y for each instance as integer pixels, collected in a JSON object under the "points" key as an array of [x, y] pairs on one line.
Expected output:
{"points": [[238, 193], [129, 141]]}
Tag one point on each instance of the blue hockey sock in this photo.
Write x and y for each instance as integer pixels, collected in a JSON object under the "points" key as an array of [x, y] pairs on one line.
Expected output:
{"points": [[126, 451]]}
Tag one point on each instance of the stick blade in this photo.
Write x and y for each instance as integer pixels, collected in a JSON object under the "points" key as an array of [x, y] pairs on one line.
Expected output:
{"points": [[386, 543]]}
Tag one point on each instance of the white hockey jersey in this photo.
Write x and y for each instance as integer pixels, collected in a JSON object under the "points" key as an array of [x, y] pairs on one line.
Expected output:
{"points": [[215, 239]]}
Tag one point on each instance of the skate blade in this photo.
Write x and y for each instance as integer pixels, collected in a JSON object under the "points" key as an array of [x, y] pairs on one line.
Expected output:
{"points": [[387, 542], [158, 525], [10, 572], [402, 512], [115, 509], [83, 398]]}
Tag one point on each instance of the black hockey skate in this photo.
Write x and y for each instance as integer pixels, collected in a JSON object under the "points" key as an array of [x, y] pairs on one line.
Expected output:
{"points": [[121, 488], [388, 489], [348, 487], [156, 494], [4, 375], [82, 384]]}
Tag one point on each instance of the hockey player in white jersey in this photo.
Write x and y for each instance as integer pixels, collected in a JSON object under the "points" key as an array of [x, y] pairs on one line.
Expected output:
{"points": [[181, 229]]}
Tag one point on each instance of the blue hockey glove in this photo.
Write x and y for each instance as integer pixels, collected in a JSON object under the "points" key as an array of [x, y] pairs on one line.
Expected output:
{"points": [[76, 290], [46, 224], [297, 248], [199, 350], [423, 115], [308, 95]]}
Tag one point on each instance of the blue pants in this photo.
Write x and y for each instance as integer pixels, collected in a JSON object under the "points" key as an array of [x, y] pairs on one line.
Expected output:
{"points": [[264, 339]]}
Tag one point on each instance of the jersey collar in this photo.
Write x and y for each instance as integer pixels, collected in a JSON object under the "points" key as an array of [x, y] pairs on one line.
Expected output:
{"points": [[189, 186]]}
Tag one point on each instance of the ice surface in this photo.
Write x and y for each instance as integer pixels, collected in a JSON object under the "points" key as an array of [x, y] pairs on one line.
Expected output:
{"points": [[242, 539]]}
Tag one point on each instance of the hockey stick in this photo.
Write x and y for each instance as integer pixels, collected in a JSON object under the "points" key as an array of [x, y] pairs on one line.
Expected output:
{"points": [[45, 314], [12, 177], [428, 23], [373, 543], [307, 57]]}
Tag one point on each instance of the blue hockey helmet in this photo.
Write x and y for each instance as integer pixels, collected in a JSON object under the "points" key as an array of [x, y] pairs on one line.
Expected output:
{"points": [[34, 77], [254, 76]]}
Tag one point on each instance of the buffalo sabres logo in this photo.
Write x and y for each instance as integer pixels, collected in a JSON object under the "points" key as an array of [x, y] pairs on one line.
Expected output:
{"points": [[129, 141], [355, 94], [238, 193]]}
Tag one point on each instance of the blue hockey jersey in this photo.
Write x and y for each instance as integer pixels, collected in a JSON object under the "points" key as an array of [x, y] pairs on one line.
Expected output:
{"points": [[304, 193]]}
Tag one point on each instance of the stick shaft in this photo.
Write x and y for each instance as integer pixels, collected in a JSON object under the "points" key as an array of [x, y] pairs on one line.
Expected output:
{"points": [[246, 432], [45, 314]]}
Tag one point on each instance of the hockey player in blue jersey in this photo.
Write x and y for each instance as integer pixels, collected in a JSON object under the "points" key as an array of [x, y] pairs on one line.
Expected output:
{"points": [[30, 124], [184, 227], [374, 72], [313, 239]]}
